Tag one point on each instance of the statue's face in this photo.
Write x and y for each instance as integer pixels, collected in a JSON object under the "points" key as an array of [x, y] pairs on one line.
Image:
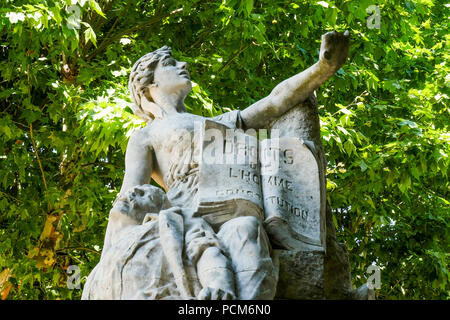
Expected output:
{"points": [[143, 199], [172, 77], [137, 202]]}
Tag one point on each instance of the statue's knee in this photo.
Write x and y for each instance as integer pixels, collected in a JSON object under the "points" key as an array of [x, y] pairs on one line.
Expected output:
{"points": [[250, 226], [212, 255], [249, 222]]}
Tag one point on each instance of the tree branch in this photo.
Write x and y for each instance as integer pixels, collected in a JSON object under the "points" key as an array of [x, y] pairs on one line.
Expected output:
{"points": [[96, 19], [200, 39], [39, 161], [79, 248], [124, 10], [233, 57], [107, 41], [8, 195]]}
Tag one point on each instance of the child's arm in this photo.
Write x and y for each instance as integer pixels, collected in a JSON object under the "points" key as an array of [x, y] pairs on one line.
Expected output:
{"points": [[214, 269], [216, 276]]}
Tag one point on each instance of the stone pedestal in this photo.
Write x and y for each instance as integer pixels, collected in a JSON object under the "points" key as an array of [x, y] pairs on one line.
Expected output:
{"points": [[310, 274], [301, 274]]}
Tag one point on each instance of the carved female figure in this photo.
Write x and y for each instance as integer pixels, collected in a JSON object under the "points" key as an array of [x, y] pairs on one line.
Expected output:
{"points": [[240, 265]]}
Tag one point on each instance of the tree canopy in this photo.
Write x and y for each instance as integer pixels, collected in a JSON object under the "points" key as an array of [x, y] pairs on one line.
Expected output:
{"points": [[66, 119]]}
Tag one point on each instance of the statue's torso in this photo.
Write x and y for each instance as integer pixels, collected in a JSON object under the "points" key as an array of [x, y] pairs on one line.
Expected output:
{"points": [[172, 140], [175, 143]]}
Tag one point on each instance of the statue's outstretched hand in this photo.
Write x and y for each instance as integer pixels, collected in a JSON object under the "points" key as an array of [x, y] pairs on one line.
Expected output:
{"points": [[334, 49]]}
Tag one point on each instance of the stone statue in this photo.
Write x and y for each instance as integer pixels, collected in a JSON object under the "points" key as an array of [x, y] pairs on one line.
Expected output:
{"points": [[176, 245]]}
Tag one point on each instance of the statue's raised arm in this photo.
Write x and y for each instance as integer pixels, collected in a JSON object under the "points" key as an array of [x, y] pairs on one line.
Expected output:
{"points": [[292, 91]]}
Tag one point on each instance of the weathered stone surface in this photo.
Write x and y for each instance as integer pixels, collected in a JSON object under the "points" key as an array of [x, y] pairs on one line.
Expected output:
{"points": [[309, 274], [301, 275], [293, 192], [302, 122]]}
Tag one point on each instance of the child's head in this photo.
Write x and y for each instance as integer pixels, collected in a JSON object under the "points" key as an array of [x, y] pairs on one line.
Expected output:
{"points": [[140, 200]]}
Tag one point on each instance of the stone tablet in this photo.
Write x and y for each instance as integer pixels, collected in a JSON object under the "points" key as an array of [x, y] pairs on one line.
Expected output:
{"points": [[229, 175], [292, 193], [276, 180]]}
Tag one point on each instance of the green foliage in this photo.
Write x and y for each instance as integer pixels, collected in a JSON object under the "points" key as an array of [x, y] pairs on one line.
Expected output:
{"points": [[65, 122]]}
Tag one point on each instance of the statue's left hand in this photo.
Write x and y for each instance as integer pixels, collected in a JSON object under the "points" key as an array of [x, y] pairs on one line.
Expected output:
{"points": [[334, 50]]}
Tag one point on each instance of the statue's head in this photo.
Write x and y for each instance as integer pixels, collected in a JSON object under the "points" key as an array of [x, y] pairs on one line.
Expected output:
{"points": [[140, 200], [157, 73]]}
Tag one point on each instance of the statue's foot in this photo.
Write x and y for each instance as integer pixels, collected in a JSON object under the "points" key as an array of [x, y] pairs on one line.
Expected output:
{"points": [[208, 293], [334, 50]]}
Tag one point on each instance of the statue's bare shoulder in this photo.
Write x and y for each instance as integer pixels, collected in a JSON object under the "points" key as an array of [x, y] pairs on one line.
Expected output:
{"points": [[141, 138]]}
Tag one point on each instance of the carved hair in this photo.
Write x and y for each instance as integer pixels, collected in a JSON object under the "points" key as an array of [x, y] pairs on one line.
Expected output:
{"points": [[142, 75]]}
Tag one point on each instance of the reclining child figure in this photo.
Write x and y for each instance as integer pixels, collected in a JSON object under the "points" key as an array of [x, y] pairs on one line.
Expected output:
{"points": [[145, 258]]}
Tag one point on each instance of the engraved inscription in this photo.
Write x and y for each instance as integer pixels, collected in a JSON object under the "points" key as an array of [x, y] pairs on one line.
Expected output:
{"points": [[236, 191], [246, 175], [289, 206], [279, 176], [279, 181]]}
